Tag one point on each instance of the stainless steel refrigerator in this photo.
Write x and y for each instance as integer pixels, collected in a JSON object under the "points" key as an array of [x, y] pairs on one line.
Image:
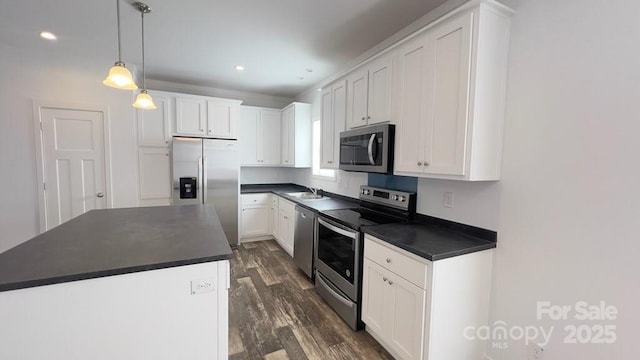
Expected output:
{"points": [[206, 171]]}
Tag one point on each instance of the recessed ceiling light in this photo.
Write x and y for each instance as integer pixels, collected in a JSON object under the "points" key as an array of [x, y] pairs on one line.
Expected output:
{"points": [[239, 67], [300, 78], [319, 89], [48, 35], [308, 70]]}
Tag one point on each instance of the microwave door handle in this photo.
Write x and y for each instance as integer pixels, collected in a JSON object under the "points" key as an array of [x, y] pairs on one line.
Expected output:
{"points": [[370, 149]]}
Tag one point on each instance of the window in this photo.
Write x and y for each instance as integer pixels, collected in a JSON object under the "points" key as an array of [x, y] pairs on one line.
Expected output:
{"points": [[315, 157]]}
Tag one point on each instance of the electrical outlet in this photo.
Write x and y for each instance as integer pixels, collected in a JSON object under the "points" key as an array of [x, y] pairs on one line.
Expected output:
{"points": [[202, 286], [448, 200], [535, 352]]}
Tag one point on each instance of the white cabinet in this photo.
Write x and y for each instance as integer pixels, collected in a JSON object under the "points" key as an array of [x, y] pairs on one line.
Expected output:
{"points": [[418, 309], [191, 115], [369, 93], [296, 135], [206, 116], [450, 94], [154, 126], [393, 307], [333, 112], [222, 116], [259, 136], [275, 217], [255, 215], [154, 167], [286, 224]]}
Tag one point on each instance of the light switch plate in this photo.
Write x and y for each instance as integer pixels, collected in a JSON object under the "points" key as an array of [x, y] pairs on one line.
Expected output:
{"points": [[448, 200], [202, 286]]}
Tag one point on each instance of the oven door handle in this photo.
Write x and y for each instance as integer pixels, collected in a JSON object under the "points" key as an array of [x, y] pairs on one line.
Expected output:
{"points": [[333, 293], [349, 234], [370, 149]]}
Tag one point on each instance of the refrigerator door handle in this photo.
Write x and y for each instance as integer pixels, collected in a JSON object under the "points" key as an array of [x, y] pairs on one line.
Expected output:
{"points": [[204, 179], [200, 172]]}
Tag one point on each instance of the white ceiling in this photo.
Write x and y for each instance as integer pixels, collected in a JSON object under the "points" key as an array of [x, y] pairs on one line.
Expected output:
{"points": [[199, 42]]}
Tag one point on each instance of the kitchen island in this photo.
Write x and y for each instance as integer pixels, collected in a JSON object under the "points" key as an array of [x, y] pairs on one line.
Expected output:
{"points": [[139, 283]]}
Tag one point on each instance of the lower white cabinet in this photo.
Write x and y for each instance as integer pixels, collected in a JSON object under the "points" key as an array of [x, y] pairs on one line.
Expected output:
{"points": [[286, 224], [154, 166], [275, 218], [255, 215], [419, 309]]}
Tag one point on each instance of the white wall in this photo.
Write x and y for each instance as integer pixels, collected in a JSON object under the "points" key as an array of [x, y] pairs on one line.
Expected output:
{"points": [[51, 78], [570, 200], [271, 175]]}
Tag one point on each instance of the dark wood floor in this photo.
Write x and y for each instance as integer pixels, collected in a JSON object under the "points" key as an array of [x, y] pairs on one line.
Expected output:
{"points": [[275, 313]]}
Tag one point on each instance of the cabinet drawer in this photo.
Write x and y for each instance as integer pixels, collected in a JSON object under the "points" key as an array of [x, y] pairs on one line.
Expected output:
{"points": [[274, 201], [401, 264], [255, 199]]}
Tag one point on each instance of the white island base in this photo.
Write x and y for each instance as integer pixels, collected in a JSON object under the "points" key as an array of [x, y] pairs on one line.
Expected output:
{"points": [[143, 315]]}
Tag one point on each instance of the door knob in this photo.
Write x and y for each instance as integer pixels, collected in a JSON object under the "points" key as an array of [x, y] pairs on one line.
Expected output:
{"points": [[100, 195]]}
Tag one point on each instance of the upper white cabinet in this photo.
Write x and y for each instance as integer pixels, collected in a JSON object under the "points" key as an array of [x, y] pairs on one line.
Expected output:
{"points": [[191, 115], [451, 95], [154, 126], [259, 136], [296, 135], [333, 112], [222, 117], [206, 116], [369, 91]]}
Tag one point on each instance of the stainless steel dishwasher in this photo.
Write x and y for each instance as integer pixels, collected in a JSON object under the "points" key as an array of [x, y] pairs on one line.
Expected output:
{"points": [[304, 240]]}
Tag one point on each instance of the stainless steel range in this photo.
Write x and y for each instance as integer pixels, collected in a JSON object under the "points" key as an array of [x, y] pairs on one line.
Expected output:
{"points": [[339, 248]]}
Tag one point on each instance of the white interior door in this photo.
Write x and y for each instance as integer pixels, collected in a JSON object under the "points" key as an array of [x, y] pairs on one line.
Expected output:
{"points": [[73, 163]]}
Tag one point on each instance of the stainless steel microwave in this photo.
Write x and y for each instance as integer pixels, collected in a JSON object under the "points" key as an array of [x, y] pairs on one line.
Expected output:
{"points": [[368, 149]]}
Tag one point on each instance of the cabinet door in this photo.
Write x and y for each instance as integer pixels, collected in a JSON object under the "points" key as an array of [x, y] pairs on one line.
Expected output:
{"points": [[153, 125], [447, 118], [255, 220], [191, 116], [248, 135], [275, 222], [155, 175], [406, 320], [374, 292], [379, 98], [413, 101], [221, 119], [269, 136], [288, 136], [357, 90], [327, 135], [283, 229]]}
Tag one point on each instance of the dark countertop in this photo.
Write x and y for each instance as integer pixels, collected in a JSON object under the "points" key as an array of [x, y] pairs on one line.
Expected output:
{"points": [[434, 241], [333, 202], [116, 241]]}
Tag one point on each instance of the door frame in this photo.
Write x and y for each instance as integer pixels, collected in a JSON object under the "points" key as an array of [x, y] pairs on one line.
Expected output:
{"points": [[38, 106]]}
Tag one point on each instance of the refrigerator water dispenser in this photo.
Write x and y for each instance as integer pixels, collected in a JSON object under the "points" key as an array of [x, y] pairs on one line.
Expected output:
{"points": [[188, 188]]}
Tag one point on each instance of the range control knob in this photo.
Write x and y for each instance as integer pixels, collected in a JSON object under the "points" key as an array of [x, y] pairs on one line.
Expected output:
{"points": [[401, 198], [395, 197], [366, 191]]}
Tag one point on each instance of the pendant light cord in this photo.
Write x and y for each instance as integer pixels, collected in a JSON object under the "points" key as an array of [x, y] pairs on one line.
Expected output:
{"points": [[144, 87], [119, 46]]}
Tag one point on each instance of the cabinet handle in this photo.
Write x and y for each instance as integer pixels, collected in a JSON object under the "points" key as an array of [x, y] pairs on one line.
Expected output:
{"points": [[384, 279], [166, 154], [286, 218], [390, 282], [201, 129], [209, 130], [426, 163], [363, 118], [388, 260], [166, 141], [368, 117], [419, 163]]}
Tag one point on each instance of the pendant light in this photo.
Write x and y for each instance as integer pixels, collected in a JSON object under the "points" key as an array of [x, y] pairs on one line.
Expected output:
{"points": [[119, 76], [143, 100]]}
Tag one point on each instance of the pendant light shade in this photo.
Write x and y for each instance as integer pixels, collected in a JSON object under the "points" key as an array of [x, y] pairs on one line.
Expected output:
{"points": [[119, 76], [143, 100]]}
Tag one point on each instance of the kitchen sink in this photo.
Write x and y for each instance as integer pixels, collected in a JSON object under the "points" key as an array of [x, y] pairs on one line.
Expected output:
{"points": [[307, 196]]}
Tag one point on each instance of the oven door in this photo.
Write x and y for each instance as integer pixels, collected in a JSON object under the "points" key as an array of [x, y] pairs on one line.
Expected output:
{"points": [[337, 253]]}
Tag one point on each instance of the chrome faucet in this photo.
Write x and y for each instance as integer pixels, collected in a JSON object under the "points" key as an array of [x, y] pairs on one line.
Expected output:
{"points": [[313, 190]]}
